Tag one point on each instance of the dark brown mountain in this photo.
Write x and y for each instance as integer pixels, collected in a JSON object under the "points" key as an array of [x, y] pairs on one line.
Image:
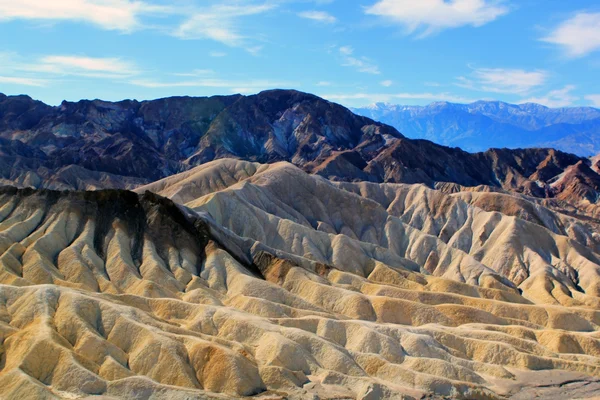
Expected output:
{"points": [[97, 144], [153, 139]]}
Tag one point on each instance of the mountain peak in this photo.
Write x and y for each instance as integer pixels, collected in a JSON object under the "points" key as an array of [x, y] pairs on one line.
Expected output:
{"points": [[533, 107], [379, 105]]}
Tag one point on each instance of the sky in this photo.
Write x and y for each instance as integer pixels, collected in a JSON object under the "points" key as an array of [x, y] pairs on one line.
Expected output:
{"points": [[354, 52]]}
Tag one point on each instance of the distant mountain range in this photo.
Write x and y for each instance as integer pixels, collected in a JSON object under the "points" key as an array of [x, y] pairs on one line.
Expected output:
{"points": [[493, 124]]}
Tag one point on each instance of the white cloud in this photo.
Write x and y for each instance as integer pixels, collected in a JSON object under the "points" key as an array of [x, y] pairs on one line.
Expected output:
{"points": [[579, 35], [431, 16], [83, 66], [319, 16], [323, 83], [122, 15], [361, 64], [389, 97], [217, 54], [386, 83], [555, 98], [501, 80], [221, 23], [14, 80], [594, 99]]}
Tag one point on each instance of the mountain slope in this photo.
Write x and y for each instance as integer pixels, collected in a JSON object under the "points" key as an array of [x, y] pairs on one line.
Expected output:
{"points": [[279, 284], [486, 124]]}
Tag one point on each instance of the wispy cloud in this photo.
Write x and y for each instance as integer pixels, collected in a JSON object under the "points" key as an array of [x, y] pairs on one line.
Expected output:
{"points": [[195, 73], [42, 71], [121, 15], [15, 80], [361, 64], [594, 99], [386, 83], [83, 66], [236, 86], [221, 23], [217, 54], [431, 16], [323, 83], [254, 50], [555, 98], [501, 80], [346, 50], [390, 97], [578, 36], [319, 16]]}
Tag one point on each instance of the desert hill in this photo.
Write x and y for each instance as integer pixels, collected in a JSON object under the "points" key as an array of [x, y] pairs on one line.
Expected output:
{"points": [[237, 278]]}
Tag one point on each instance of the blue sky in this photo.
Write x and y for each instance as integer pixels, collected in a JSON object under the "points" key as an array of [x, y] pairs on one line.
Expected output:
{"points": [[354, 52]]}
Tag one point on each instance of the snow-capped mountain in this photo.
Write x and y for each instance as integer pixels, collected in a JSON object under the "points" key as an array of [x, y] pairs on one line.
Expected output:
{"points": [[487, 124]]}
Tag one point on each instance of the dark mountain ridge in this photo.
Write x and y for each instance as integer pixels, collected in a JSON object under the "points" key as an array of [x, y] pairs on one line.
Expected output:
{"points": [[153, 139], [94, 144]]}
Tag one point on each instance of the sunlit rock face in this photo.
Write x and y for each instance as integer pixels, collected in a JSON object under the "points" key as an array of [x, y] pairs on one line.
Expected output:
{"points": [[237, 278]]}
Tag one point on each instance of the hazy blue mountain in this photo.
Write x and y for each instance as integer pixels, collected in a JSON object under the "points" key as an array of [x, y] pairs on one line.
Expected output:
{"points": [[492, 124]]}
